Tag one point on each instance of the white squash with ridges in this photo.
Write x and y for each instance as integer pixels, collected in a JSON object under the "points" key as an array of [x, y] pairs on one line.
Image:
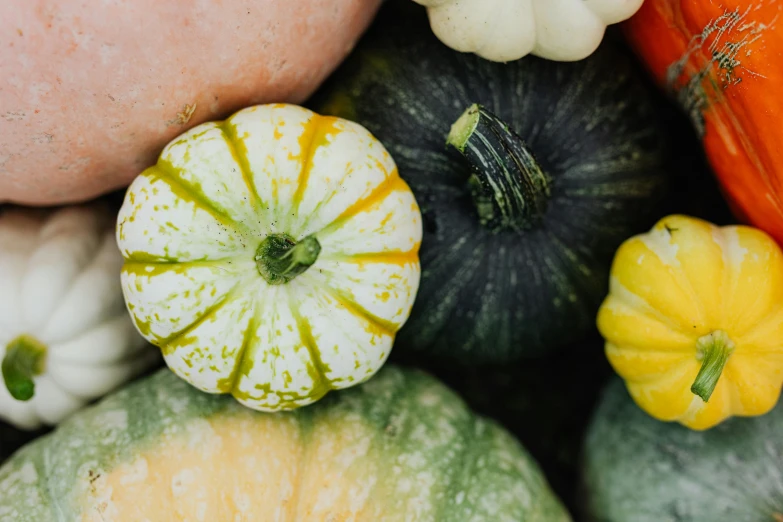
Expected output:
{"points": [[506, 30], [65, 334], [272, 256]]}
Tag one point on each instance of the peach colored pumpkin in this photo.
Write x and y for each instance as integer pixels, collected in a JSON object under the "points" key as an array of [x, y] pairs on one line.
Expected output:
{"points": [[90, 92]]}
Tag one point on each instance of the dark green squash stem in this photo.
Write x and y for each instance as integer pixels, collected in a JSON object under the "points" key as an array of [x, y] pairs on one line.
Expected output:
{"points": [[714, 350], [509, 188], [24, 359], [280, 258]]}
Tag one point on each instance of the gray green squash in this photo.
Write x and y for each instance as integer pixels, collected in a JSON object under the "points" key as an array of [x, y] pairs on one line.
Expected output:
{"points": [[560, 163], [638, 469], [401, 447]]}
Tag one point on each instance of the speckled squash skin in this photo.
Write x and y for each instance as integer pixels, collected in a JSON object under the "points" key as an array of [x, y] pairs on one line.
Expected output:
{"points": [[195, 232], [92, 91], [638, 469], [401, 447], [497, 294]]}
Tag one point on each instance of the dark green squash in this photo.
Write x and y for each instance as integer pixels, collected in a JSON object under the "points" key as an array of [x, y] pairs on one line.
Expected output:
{"points": [[638, 469], [517, 248]]}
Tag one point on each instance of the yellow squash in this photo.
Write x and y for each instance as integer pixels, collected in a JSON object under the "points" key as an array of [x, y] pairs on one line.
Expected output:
{"points": [[694, 321]]}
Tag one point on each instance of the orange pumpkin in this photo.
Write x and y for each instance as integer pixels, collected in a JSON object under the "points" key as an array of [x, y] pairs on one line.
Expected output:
{"points": [[90, 92], [723, 61]]}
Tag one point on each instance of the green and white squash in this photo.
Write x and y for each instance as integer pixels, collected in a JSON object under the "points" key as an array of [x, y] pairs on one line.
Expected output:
{"points": [[640, 469], [65, 335], [272, 256], [562, 162], [401, 447]]}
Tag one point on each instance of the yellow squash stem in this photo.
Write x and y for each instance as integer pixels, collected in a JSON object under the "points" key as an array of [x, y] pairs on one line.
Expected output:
{"points": [[714, 351], [24, 359]]}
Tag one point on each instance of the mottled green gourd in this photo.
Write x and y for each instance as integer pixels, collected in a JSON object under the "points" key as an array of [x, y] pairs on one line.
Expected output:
{"points": [[402, 447], [639, 469], [529, 175]]}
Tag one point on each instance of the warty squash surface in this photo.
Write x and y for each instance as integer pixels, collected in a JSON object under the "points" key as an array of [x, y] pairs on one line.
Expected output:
{"points": [[400, 448], [272, 256]]}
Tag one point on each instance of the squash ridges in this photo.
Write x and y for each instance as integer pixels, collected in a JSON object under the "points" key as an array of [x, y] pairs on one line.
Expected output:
{"points": [[239, 153], [321, 383], [375, 197], [392, 257], [167, 173], [247, 339], [208, 313], [386, 327]]}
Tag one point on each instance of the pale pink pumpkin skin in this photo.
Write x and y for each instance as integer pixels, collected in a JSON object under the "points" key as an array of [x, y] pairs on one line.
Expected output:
{"points": [[91, 91]]}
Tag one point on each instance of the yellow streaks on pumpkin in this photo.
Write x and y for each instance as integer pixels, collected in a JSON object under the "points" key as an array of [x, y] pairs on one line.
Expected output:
{"points": [[393, 257], [378, 195], [317, 133], [238, 151]]}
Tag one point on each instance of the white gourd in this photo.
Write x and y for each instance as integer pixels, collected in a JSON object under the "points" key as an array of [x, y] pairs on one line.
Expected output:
{"points": [[506, 30], [65, 334]]}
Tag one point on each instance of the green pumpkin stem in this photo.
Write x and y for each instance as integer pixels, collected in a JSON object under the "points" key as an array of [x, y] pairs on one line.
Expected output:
{"points": [[509, 188], [280, 258], [24, 359], [714, 351]]}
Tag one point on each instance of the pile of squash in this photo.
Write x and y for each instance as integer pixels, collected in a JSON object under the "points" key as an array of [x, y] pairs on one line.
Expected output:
{"points": [[431, 260]]}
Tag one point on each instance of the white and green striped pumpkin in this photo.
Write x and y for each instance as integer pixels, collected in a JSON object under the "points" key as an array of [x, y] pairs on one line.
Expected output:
{"points": [[272, 256], [401, 447]]}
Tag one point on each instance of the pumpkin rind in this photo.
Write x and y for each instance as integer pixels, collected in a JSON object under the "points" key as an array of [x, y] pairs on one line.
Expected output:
{"points": [[642, 470], [681, 285], [191, 227], [93, 92], [721, 61], [489, 295], [401, 447], [61, 302]]}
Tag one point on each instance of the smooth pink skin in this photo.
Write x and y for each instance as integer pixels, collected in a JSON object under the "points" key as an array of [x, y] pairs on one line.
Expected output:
{"points": [[91, 90]]}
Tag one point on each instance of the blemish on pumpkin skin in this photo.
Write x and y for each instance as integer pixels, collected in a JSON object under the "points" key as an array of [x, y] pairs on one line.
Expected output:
{"points": [[184, 115], [721, 44]]}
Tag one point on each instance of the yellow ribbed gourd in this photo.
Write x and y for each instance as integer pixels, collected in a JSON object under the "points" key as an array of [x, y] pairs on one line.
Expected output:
{"points": [[694, 321]]}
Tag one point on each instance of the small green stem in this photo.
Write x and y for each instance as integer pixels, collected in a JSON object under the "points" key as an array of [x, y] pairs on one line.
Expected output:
{"points": [[510, 190], [714, 351], [24, 359], [280, 258]]}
